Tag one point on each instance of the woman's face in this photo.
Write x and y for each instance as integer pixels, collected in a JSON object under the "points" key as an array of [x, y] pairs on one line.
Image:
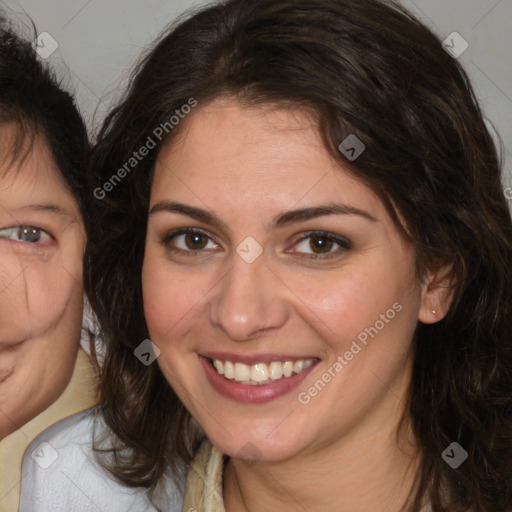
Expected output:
{"points": [[41, 249], [266, 283]]}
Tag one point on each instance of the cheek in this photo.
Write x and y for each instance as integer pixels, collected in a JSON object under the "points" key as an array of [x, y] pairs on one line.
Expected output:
{"points": [[340, 304], [171, 298], [158, 298], [38, 297], [169, 301]]}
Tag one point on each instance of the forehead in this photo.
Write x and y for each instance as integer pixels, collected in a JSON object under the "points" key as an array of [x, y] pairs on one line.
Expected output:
{"points": [[254, 155], [28, 172], [226, 130]]}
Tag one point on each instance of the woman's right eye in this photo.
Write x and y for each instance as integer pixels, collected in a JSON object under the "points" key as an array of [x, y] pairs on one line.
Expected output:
{"points": [[26, 234], [192, 241]]}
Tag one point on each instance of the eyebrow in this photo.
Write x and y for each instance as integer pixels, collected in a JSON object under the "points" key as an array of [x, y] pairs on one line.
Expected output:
{"points": [[47, 207], [283, 219]]}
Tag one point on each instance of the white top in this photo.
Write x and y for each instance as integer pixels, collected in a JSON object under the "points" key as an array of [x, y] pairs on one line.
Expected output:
{"points": [[61, 474]]}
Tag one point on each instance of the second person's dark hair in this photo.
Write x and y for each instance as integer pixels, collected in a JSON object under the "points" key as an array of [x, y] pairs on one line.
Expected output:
{"points": [[33, 100]]}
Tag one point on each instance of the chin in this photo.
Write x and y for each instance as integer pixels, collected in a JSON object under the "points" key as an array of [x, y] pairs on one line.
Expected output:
{"points": [[256, 446]]}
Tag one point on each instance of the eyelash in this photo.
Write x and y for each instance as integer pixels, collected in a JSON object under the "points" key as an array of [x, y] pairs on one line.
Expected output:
{"points": [[16, 230], [343, 243]]}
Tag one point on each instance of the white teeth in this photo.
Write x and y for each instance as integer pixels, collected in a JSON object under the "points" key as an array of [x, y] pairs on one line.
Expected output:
{"points": [[288, 368], [307, 363], [298, 366], [260, 373], [242, 372], [276, 370], [218, 366], [229, 369]]}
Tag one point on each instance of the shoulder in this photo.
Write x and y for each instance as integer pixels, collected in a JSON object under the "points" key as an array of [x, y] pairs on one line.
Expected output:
{"points": [[60, 473]]}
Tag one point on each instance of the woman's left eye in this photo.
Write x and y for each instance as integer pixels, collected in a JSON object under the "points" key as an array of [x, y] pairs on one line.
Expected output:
{"points": [[27, 234], [323, 243]]}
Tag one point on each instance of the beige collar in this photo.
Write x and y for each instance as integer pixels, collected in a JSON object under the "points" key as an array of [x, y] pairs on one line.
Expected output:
{"points": [[203, 490]]}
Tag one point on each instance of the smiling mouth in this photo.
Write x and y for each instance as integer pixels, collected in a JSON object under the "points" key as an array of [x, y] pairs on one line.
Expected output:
{"points": [[260, 374]]}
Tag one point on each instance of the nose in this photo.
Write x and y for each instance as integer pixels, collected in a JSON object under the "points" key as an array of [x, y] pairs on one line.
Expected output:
{"points": [[248, 301]]}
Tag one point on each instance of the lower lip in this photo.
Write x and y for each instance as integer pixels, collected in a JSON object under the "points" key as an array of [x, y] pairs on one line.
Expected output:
{"points": [[253, 394]]}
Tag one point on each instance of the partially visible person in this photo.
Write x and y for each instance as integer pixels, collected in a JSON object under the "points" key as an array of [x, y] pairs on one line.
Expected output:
{"points": [[47, 379], [44, 150]]}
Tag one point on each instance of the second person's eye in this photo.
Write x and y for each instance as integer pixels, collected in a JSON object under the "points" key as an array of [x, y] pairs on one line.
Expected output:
{"points": [[26, 234]]}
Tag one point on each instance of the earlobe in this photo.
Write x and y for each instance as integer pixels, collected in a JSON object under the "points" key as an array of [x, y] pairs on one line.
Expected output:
{"points": [[437, 295]]}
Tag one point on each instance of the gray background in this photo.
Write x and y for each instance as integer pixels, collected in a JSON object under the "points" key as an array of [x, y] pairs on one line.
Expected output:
{"points": [[100, 40]]}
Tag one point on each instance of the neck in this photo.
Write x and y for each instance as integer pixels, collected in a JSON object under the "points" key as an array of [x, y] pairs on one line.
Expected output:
{"points": [[366, 470]]}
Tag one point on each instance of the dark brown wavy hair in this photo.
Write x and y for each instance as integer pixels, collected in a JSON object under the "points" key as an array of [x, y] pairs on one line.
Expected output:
{"points": [[368, 68]]}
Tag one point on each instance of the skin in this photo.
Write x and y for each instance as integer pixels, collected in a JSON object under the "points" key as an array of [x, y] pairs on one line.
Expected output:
{"points": [[41, 290], [246, 166]]}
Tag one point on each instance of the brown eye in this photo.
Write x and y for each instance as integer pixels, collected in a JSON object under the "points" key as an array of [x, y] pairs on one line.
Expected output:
{"points": [[195, 241], [188, 241], [320, 245]]}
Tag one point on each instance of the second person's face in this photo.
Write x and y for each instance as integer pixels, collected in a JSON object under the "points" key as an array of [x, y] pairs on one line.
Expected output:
{"points": [[42, 242]]}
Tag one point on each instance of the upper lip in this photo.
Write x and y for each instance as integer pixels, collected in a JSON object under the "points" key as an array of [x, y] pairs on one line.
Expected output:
{"points": [[253, 359]]}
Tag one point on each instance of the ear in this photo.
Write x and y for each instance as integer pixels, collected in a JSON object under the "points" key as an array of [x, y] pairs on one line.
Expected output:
{"points": [[437, 293]]}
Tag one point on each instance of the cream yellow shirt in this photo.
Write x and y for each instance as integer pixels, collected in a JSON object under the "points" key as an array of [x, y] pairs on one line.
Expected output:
{"points": [[80, 394], [203, 490]]}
